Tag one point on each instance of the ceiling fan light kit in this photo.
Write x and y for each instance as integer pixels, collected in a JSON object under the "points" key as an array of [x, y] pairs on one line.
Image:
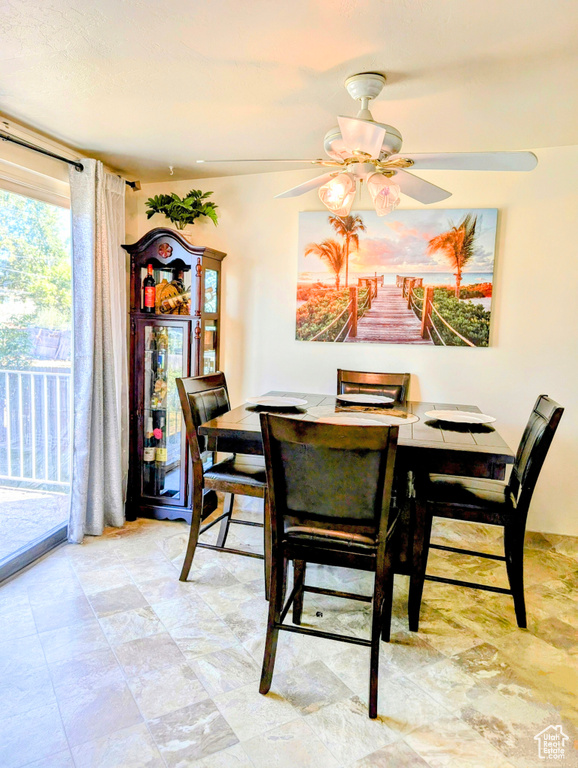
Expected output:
{"points": [[361, 149], [338, 193], [384, 193]]}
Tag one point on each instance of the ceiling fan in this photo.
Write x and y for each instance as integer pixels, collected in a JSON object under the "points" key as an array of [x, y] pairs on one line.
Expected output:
{"points": [[361, 149]]}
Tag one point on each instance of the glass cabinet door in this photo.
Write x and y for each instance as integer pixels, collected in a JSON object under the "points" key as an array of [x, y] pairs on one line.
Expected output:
{"points": [[210, 321], [162, 423]]}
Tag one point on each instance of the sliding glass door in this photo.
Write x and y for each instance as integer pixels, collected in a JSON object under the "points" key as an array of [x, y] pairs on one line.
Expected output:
{"points": [[35, 376]]}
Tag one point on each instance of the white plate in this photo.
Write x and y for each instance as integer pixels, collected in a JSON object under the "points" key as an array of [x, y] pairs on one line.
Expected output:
{"points": [[461, 417], [366, 399], [274, 401], [379, 421], [350, 421]]}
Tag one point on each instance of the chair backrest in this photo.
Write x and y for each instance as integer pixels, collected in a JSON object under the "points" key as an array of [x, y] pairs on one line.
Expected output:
{"points": [[202, 398], [330, 475], [365, 382], [533, 449]]}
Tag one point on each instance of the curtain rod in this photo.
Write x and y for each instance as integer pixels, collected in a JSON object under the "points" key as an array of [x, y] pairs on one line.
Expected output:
{"points": [[77, 164]]}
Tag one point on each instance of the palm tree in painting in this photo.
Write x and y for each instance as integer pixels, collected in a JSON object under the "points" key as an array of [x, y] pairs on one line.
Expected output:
{"points": [[332, 253], [348, 228], [457, 244]]}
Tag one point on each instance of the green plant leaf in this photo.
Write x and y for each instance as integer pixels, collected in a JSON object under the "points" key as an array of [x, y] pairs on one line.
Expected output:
{"points": [[183, 211]]}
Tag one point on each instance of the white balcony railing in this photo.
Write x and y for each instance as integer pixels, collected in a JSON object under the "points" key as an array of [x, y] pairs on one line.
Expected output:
{"points": [[35, 428]]}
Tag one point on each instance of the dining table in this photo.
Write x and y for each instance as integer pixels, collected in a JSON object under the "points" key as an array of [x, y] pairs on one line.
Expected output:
{"points": [[426, 445]]}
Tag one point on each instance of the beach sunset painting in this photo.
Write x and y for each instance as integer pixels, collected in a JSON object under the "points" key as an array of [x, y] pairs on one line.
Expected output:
{"points": [[414, 277]]}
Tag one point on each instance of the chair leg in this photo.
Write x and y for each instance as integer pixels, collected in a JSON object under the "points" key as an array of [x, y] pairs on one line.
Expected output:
{"points": [[278, 575], [298, 581], [193, 535], [267, 547], [387, 606], [226, 521], [376, 629], [421, 540], [514, 551]]}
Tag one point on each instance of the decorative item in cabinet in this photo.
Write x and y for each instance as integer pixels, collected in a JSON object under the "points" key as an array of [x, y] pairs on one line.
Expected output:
{"points": [[176, 336]]}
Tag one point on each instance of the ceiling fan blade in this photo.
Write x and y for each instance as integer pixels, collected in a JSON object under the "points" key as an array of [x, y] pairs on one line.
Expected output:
{"points": [[474, 161], [419, 189], [307, 186], [361, 135], [260, 160]]}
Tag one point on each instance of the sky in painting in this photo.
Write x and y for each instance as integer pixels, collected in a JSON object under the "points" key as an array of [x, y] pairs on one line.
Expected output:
{"points": [[397, 243]]}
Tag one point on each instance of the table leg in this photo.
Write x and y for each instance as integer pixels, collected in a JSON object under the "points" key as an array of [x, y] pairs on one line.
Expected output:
{"points": [[421, 530]]}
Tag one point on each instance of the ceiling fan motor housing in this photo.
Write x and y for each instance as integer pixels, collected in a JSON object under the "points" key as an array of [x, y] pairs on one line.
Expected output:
{"points": [[334, 145]]}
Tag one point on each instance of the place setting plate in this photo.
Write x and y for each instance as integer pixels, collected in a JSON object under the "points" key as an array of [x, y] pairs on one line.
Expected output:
{"points": [[365, 399], [387, 420], [460, 417], [276, 403]]}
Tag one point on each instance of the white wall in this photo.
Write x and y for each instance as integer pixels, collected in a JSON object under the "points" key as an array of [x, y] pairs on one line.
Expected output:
{"points": [[535, 309]]}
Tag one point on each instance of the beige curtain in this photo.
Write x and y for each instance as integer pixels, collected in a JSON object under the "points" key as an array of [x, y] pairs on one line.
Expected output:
{"points": [[100, 390]]}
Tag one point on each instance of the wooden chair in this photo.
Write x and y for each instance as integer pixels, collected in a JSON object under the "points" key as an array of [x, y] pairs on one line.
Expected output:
{"points": [[364, 382], [329, 491], [491, 502], [204, 398]]}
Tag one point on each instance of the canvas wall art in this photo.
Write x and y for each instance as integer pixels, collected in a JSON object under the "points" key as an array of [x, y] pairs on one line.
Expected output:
{"points": [[414, 277]]}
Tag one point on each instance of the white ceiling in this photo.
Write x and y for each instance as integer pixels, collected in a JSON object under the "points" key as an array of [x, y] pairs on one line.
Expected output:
{"points": [[144, 84]]}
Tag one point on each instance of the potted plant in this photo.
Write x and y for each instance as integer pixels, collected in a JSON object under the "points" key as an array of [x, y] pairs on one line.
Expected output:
{"points": [[185, 210]]}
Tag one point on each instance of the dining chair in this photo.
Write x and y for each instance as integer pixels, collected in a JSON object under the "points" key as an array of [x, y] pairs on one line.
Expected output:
{"points": [[492, 502], [365, 382], [329, 490], [204, 398]]}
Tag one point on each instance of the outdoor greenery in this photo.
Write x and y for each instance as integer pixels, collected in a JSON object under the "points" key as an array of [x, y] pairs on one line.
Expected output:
{"points": [[183, 210], [15, 347], [457, 244], [35, 274], [321, 308], [471, 320]]}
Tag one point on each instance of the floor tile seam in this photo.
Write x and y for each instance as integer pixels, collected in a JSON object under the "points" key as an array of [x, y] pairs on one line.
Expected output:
{"points": [[144, 721], [42, 706], [106, 615], [48, 757], [157, 745], [395, 737], [53, 690], [125, 674], [474, 681], [533, 699], [446, 712], [125, 679], [119, 679], [88, 594], [477, 737], [487, 741], [296, 716], [98, 738], [484, 682]]}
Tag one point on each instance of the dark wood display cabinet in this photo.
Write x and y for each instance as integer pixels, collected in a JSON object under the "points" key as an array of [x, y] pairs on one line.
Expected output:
{"points": [[179, 338]]}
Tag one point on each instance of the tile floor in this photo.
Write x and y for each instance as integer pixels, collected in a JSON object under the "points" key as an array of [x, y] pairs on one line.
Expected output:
{"points": [[107, 660]]}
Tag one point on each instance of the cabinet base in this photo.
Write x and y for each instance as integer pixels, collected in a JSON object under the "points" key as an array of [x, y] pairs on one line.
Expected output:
{"points": [[167, 512]]}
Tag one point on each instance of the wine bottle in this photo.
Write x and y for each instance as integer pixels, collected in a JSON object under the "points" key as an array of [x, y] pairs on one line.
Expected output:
{"points": [[161, 454], [149, 291], [149, 454]]}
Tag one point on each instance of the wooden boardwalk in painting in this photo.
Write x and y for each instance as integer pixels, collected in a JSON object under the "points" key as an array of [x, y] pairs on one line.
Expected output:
{"points": [[389, 320]]}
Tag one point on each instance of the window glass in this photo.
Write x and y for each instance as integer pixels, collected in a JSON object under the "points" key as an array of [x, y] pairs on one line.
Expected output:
{"points": [[35, 369]]}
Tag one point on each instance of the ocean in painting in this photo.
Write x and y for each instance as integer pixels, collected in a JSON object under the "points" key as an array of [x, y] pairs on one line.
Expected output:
{"points": [[429, 278]]}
